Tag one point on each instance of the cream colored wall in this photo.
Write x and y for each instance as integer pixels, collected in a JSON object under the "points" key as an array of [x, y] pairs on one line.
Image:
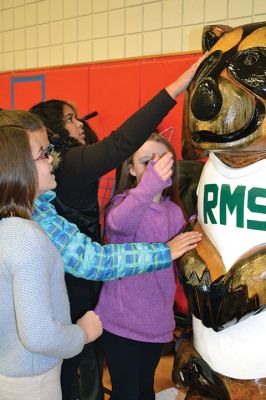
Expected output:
{"points": [[57, 32]]}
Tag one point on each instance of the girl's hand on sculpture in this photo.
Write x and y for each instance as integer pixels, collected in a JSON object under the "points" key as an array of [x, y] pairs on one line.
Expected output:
{"points": [[182, 243], [181, 84], [92, 325]]}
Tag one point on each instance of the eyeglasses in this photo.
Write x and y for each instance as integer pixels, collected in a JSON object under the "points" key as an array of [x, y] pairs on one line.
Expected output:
{"points": [[45, 153]]}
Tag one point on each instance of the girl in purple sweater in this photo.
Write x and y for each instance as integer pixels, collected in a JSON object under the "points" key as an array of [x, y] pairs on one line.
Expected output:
{"points": [[137, 311]]}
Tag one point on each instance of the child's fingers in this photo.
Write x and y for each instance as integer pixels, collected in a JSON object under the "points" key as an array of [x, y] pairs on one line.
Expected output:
{"points": [[165, 168], [183, 242], [164, 159], [168, 175], [189, 74], [190, 237], [188, 241], [165, 171], [200, 59], [164, 164], [155, 157]]}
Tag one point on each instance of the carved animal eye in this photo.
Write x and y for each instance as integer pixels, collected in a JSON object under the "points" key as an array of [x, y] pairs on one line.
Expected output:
{"points": [[251, 58], [249, 68]]}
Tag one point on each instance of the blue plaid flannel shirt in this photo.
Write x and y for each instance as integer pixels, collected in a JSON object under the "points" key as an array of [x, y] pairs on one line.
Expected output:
{"points": [[89, 260]]}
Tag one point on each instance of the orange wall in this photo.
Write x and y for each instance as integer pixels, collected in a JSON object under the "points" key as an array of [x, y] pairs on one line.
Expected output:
{"points": [[114, 89]]}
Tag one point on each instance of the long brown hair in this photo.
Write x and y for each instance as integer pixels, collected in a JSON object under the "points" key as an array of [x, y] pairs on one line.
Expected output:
{"points": [[18, 177], [24, 119], [127, 181]]}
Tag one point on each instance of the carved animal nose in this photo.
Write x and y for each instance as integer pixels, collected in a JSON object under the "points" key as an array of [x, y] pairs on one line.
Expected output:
{"points": [[206, 101]]}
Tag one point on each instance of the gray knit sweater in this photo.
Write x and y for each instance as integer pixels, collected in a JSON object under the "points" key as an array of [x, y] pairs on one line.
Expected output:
{"points": [[35, 326]]}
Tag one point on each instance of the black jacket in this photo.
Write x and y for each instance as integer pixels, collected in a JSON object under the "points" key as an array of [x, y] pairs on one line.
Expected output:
{"points": [[82, 166]]}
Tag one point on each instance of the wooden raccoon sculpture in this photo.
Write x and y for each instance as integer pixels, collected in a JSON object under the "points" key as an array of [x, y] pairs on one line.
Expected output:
{"points": [[225, 276]]}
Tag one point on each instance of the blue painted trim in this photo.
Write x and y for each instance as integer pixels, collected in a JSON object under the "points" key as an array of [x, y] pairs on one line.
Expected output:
{"points": [[19, 79]]}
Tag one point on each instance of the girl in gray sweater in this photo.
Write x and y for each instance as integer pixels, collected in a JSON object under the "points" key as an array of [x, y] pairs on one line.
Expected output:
{"points": [[35, 325]]}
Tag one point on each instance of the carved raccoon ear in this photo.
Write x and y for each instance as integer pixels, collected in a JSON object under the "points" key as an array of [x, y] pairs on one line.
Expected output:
{"points": [[211, 34]]}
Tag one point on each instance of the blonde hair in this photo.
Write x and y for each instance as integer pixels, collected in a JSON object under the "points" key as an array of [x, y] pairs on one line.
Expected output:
{"points": [[24, 119]]}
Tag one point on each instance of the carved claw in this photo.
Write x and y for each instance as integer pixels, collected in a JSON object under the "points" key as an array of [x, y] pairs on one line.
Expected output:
{"points": [[233, 296]]}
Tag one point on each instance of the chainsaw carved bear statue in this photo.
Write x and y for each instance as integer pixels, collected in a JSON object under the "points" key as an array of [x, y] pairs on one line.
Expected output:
{"points": [[225, 276]]}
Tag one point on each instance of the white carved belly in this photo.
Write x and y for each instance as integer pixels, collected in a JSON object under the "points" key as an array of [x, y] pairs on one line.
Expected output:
{"points": [[232, 211]]}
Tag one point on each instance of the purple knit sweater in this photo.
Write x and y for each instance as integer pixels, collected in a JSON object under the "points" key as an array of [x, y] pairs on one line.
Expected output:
{"points": [[141, 307]]}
